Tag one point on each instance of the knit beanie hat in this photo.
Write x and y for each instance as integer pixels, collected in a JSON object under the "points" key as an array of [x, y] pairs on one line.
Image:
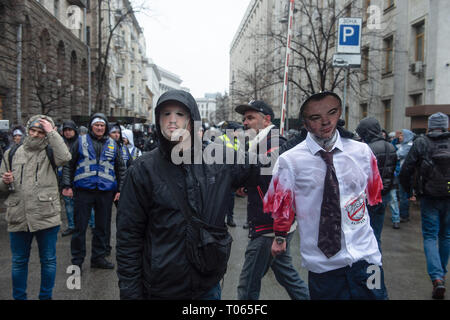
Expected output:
{"points": [[438, 120]]}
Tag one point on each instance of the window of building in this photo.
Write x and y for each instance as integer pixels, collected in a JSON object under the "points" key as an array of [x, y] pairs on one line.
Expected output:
{"points": [[132, 100], [88, 35], [389, 4], [387, 115], [363, 109], [132, 78], [365, 10], [419, 30], [416, 99], [56, 8], [348, 11], [365, 63], [388, 48]]}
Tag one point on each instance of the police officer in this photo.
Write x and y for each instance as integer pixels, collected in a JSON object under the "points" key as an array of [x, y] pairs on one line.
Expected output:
{"points": [[93, 177]]}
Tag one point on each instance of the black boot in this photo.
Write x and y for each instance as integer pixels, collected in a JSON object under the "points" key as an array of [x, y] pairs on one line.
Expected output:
{"points": [[102, 263]]}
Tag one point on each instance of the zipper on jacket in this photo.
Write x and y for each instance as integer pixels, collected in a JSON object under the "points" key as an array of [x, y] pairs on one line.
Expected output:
{"points": [[37, 169], [21, 174]]}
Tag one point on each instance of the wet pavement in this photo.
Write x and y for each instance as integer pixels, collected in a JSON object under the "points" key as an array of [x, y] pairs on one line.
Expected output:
{"points": [[404, 265]]}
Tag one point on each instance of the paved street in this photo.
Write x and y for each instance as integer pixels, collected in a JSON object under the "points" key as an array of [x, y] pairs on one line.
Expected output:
{"points": [[404, 265]]}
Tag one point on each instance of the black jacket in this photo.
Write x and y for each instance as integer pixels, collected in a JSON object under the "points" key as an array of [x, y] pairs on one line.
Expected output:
{"points": [[369, 130], [259, 222], [419, 153], [151, 229], [69, 169]]}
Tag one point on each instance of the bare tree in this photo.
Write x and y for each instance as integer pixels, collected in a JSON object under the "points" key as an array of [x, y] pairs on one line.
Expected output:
{"points": [[312, 47], [114, 18]]}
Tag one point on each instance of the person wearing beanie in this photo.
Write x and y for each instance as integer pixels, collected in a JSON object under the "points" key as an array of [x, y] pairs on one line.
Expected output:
{"points": [[429, 160], [70, 135], [33, 208], [94, 179], [18, 134]]}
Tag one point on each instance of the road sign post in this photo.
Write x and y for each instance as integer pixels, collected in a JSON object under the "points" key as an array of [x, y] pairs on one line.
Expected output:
{"points": [[348, 49], [286, 68]]}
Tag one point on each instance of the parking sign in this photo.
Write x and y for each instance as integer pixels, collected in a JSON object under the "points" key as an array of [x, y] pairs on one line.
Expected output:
{"points": [[349, 35]]}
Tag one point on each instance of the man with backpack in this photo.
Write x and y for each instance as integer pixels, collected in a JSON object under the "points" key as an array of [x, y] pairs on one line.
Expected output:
{"points": [[33, 204], [430, 155], [369, 130]]}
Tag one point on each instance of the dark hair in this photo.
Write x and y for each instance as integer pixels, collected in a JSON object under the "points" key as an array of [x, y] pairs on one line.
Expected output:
{"points": [[317, 97]]}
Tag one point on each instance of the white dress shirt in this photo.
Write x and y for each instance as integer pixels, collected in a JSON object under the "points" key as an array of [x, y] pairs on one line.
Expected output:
{"points": [[297, 188]]}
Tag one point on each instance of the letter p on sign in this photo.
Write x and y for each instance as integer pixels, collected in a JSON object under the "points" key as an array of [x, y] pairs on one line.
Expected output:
{"points": [[348, 32]]}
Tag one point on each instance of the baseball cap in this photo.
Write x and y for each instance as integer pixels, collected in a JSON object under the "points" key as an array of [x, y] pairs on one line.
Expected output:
{"points": [[257, 105]]}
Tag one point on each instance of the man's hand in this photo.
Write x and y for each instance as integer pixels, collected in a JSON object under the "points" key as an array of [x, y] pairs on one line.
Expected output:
{"points": [[67, 192], [117, 196], [8, 177], [47, 126], [278, 248]]}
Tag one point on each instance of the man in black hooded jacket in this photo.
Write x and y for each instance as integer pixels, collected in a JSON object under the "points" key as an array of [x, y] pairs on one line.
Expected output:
{"points": [[70, 135], [151, 227], [369, 130], [93, 178]]}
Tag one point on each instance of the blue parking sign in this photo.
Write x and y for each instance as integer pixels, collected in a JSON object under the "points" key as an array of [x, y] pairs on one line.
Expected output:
{"points": [[348, 35]]}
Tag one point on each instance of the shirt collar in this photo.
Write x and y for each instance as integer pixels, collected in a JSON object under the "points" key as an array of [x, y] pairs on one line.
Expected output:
{"points": [[314, 147]]}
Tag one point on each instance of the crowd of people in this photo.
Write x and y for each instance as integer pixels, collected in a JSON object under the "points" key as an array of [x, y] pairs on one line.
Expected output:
{"points": [[329, 184]]}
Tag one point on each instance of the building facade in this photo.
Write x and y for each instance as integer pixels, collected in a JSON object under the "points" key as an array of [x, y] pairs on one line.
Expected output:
{"points": [[405, 64], [43, 63], [207, 107]]}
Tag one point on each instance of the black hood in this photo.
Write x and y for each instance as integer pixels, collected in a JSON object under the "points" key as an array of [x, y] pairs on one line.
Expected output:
{"points": [[369, 129], [101, 116], [188, 101], [71, 125]]}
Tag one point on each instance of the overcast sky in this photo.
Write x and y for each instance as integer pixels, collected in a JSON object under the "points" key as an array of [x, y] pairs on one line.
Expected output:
{"points": [[192, 38]]}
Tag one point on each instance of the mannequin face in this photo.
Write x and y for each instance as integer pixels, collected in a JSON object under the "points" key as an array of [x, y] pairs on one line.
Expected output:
{"points": [[321, 117], [173, 117]]}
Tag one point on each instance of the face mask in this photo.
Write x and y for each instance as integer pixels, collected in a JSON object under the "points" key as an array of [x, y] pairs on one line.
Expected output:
{"points": [[34, 143], [185, 125]]}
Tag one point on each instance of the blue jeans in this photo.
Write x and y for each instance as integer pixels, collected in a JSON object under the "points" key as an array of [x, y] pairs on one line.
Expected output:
{"points": [[214, 294], [393, 205], [20, 249], [258, 260], [68, 201], [436, 235], [404, 203], [376, 214], [347, 283]]}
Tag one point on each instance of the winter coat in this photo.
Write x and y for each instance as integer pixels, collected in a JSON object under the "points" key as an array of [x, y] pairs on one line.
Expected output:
{"points": [[420, 152], [69, 169], [151, 228], [405, 146], [35, 203], [369, 130], [259, 222]]}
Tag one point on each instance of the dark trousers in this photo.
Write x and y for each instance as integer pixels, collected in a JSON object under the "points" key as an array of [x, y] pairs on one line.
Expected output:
{"points": [[84, 201], [348, 283]]}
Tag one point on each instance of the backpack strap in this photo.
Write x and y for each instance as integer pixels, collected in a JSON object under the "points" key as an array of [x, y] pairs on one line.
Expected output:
{"points": [[48, 150], [12, 151]]}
